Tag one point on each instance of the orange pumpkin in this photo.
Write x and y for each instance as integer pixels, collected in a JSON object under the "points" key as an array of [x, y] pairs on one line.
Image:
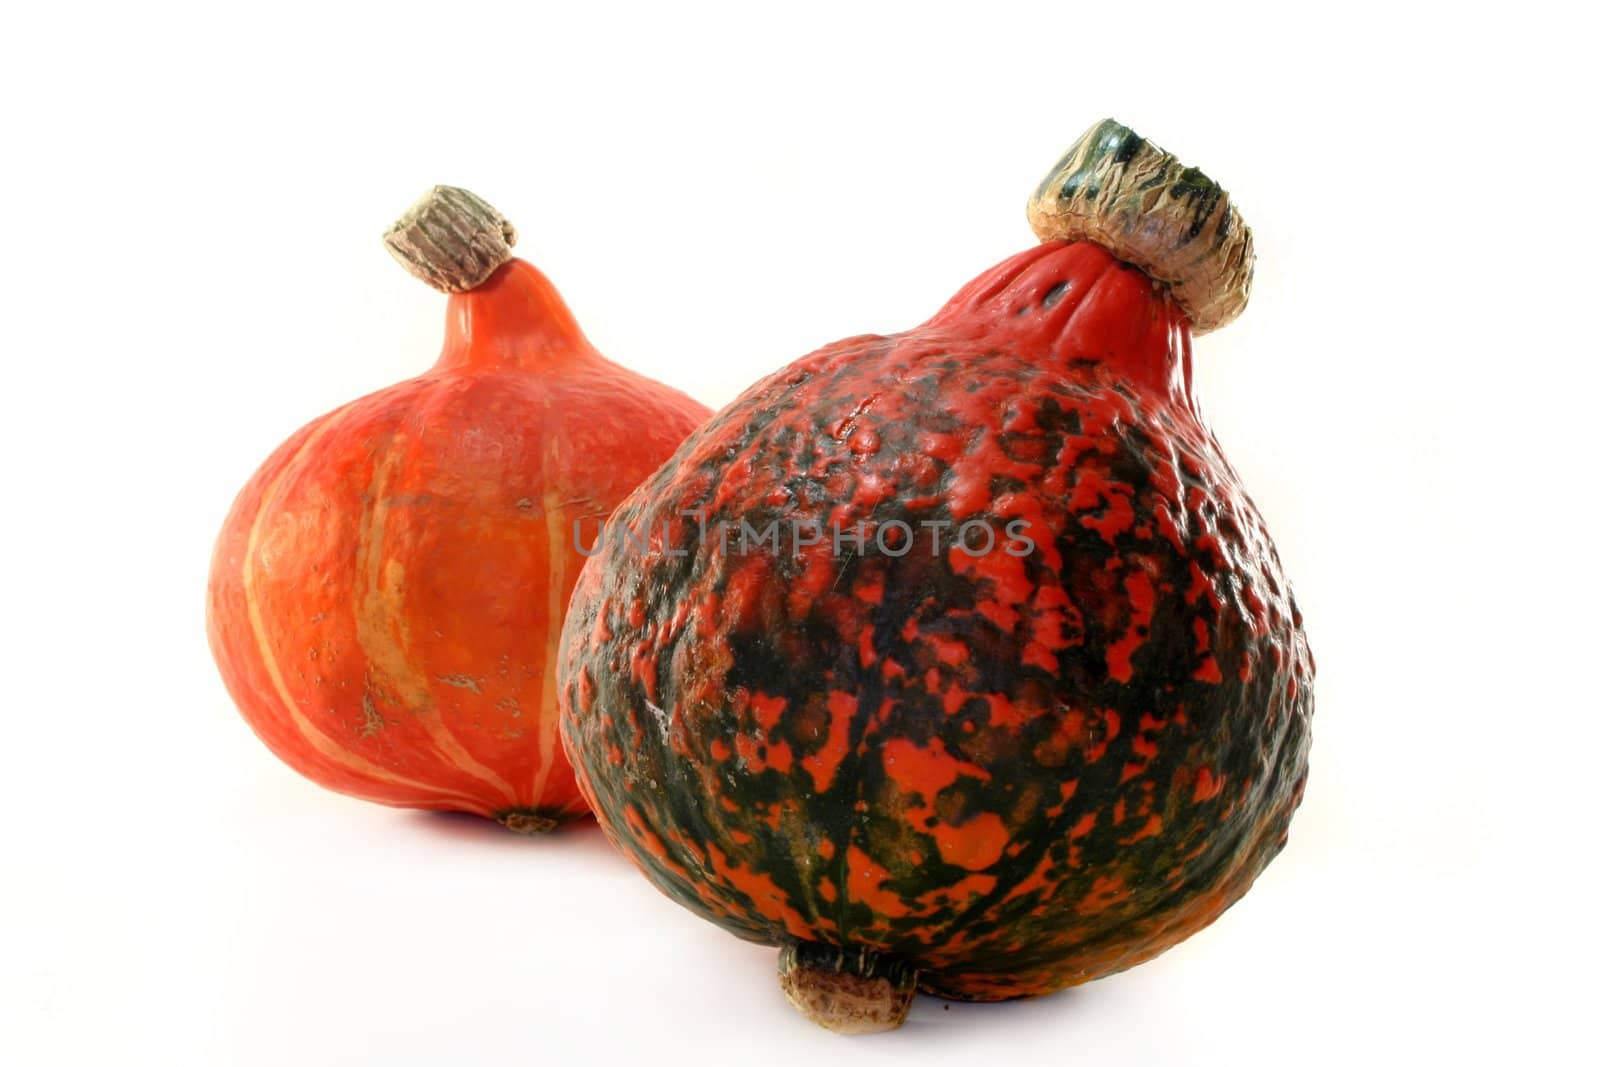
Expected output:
{"points": [[387, 593]]}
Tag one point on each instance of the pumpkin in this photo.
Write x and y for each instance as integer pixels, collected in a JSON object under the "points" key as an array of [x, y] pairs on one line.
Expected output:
{"points": [[958, 659], [386, 594]]}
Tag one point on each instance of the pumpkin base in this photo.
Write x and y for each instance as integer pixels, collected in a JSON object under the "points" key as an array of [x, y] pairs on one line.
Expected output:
{"points": [[848, 991], [526, 821]]}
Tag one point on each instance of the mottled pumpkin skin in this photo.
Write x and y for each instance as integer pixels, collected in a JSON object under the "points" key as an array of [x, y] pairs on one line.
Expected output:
{"points": [[386, 593], [1017, 771]]}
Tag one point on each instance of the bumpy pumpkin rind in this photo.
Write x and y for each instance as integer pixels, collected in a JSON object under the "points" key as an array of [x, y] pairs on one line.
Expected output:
{"points": [[1015, 772]]}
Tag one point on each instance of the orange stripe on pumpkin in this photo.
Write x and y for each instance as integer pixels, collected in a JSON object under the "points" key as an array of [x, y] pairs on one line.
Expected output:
{"points": [[381, 631], [319, 742]]}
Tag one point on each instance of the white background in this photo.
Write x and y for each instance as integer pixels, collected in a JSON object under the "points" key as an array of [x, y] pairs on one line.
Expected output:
{"points": [[190, 207]]}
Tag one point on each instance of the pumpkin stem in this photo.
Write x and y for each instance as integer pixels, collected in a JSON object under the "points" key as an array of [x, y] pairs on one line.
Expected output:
{"points": [[847, 990], [451, 239], [524, 821], [1143, 206]]}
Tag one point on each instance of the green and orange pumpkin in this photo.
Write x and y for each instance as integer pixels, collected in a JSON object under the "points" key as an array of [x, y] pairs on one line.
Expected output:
{"points": [[1043, 751]]}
